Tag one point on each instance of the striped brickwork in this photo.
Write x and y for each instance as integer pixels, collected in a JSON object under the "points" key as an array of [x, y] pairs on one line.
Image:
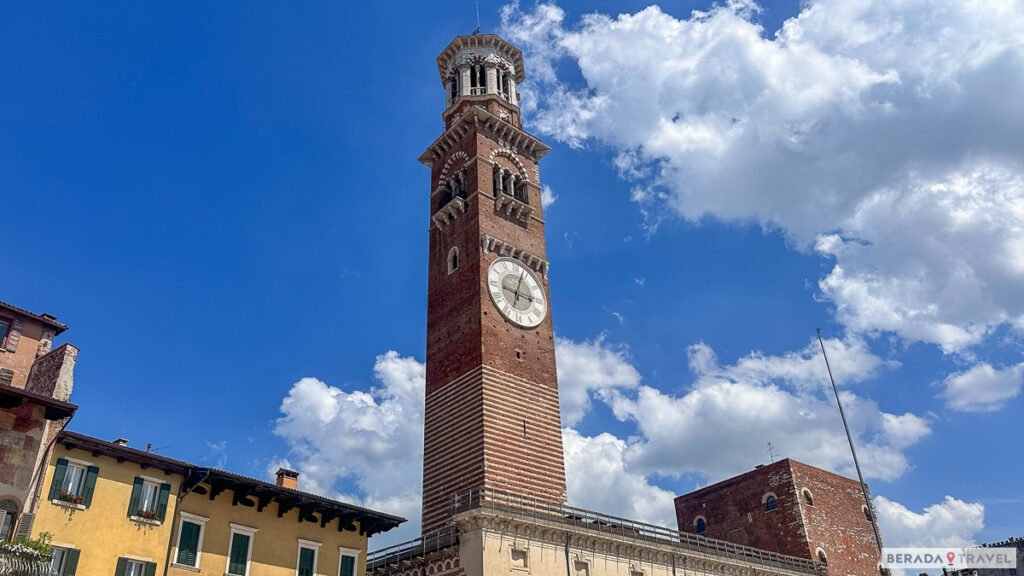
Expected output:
{"points": [[488, 428]]}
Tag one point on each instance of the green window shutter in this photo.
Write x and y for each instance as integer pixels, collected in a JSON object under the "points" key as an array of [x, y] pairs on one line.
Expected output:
{"points": [[90, 485], [348, 566], [150, 569], [25, 526], [239, 553], [59, 472], [306, 557], [161, 506], [133, 504], [188, 544], [122, 567], [70, 562]]}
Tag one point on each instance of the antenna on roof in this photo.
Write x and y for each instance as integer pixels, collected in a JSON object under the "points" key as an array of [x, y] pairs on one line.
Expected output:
{"points": [[771, 452], [856, 463], [477, 31]]}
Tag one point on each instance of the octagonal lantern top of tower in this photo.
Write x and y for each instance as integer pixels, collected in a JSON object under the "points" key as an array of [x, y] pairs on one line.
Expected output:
{"points": [[478, 49]]}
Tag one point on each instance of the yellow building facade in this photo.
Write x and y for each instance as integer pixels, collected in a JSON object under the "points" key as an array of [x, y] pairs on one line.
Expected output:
{"points": [[115, 511]]}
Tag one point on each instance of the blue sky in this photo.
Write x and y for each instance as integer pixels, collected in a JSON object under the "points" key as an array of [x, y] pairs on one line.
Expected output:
{"points": [[223, 203]]}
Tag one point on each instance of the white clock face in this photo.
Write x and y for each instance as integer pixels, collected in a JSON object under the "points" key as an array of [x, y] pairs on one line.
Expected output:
{"points": [[516, 292]]}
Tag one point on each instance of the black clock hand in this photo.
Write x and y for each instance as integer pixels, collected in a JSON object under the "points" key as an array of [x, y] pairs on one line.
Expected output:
{"points": [[518, 286]]}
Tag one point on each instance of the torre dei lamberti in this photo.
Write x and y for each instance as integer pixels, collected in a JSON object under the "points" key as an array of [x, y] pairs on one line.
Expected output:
{"points": [[494, 490]]}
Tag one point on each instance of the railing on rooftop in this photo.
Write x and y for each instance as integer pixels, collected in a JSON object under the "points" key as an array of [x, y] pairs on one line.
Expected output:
{"points": [[574, 519], [421, 547]]}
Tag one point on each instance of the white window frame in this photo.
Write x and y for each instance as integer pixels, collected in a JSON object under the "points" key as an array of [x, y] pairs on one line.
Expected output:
{"points": [[148, 483], [81, 479], [309, 545], [697, 521], [63, 558], [247, 531], [201, 521], [354, 553], [132, 561]]}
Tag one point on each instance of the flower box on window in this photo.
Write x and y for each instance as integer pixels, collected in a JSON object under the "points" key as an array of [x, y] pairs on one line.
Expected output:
{"points": [[69, 497]]}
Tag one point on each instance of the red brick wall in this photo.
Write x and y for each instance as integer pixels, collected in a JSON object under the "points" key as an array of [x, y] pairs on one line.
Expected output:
{"points": [[480, 395], [735, 511], [837, 521]]}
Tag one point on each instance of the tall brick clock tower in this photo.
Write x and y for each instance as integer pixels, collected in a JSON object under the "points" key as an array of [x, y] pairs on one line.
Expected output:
{"points": [[492, 415]]}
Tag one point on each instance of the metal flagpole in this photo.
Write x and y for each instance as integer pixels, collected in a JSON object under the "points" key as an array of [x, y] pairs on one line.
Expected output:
{"points": [[856, 463]]}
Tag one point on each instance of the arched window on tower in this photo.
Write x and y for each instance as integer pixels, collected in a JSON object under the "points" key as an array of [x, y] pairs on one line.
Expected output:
{"points": [[771, 503], [502, 181], [453, 260], [521, 192], [808, 498], [453, 89], [700, 525], [822, 557], [445, 195], [503, 85], [461, 191], [477, 80]]}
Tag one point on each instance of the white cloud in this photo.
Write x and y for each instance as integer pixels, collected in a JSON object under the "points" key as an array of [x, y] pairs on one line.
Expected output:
{"points": [[720, 426], [850, 358], [218, 453], [983, 388], [951, 522], [374, 439], [886, 134], [599, 478], [588, 367], [547, 197]]}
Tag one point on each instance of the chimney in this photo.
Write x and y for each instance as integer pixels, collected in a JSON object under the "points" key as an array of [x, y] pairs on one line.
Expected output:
{"points": [[287, 478], [121, 442]]}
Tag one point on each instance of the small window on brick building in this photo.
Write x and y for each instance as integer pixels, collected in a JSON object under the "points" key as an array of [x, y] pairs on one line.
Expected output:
{"points": [[5, 327], [867, 513], [453, 260], [808, 498], [822, 557], [700, 525], [770, 502]]}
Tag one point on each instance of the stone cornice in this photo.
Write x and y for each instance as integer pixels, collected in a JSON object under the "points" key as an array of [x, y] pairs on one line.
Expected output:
{"points": [[476, 42], [507, 135], [586, 542], [500, 247]]}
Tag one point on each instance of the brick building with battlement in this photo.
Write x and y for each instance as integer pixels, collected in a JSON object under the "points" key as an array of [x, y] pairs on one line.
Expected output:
{"points": [[790, 508]]}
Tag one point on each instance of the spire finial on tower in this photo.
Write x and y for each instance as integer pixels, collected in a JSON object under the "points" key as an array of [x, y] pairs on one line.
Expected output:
{"points": [[477, 31]]}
